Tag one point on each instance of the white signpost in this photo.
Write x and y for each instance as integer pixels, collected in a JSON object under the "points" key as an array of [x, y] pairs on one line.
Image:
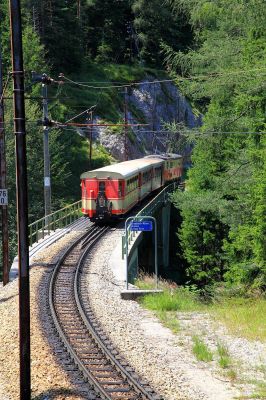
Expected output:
{"points": [[3, 197]]}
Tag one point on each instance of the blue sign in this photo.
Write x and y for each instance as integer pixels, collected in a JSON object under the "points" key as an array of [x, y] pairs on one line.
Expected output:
{"points": [[141, 226]]}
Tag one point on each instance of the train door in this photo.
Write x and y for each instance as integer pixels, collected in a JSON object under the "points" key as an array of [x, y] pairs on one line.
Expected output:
{"points": [[101, 201]]}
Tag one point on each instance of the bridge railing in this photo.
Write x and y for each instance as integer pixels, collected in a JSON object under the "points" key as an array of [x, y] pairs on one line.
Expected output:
{"points": [[59, 219], [149, 210]]}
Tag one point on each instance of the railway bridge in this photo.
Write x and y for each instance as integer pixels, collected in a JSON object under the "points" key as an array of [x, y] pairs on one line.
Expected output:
{"points": [[149, 251]]}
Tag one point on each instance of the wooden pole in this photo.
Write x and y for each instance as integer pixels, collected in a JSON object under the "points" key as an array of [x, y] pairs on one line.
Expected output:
{"points": [[3, 182], [22, 198]]}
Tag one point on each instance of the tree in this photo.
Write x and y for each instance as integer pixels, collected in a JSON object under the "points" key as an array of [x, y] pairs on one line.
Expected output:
{"points": [[156, 26], [228, 60], [107, 35]]}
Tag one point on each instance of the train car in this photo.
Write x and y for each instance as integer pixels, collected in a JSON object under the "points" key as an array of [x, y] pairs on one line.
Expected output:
{"points": [[113, 190], [173, 166]]}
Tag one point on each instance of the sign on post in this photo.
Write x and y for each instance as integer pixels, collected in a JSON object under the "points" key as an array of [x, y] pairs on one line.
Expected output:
{"points": [[143, 226], [3, 197]]}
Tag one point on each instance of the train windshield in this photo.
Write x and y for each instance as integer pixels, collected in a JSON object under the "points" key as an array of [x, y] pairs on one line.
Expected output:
{"points": [[101, 186]]}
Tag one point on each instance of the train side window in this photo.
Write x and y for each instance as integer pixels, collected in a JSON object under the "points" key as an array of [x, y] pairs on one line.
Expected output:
{"points": [[120, 188]]}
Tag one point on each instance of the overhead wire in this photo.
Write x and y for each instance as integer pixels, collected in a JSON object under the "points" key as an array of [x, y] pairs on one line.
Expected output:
{"points": [[176, 79]]}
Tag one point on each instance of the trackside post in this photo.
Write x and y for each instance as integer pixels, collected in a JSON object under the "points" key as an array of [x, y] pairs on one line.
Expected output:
{"points": [[22, 198]]}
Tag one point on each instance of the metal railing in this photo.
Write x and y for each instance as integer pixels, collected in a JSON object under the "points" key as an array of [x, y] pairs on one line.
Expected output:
{"points": [[59, 219], [148, 210]]}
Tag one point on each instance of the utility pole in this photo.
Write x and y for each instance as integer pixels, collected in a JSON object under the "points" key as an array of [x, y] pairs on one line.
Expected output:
{"points": [[45, 81], [46, 155], [126, 125], [22, 198], [90, 121], [3, 183]]}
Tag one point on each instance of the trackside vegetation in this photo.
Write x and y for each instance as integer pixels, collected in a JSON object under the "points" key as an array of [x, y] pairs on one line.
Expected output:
{"points": [[223, 208], [243, 316]]}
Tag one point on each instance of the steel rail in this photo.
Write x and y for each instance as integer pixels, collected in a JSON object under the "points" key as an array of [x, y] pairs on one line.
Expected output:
{"points": [[94, 235], [62, 335], [133, 382]]}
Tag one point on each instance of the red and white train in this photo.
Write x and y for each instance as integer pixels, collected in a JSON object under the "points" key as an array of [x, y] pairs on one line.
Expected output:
{"points": [[113, 190]]}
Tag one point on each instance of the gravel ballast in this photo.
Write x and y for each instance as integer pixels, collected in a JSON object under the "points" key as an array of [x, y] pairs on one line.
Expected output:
{"points": [[49, 380]]}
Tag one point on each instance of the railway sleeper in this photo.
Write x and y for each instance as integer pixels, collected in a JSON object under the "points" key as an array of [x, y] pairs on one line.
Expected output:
{"points": [[119, 390], [108, 368], [112, 383], [94, 356]]}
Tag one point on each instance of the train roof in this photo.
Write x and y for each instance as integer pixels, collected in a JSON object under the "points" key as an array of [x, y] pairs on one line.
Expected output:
{"points": [[123, 170], [165, 156]]}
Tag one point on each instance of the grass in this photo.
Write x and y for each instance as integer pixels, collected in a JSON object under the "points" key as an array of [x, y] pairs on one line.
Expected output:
{"points": [[231, 374], [224, 359], [169, 320], [171, 300], [259, 393], [201, 350], [244, 317]]}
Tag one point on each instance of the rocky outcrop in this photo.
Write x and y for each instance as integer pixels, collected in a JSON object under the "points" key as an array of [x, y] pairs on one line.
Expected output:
{"points": [[156, 105]]}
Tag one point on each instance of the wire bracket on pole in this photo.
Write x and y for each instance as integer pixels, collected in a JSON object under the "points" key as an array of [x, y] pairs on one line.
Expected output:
{"points": [[17, 72]]}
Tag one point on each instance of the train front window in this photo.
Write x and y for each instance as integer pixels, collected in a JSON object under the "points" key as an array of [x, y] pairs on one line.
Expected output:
{"points": [[101, 186]]}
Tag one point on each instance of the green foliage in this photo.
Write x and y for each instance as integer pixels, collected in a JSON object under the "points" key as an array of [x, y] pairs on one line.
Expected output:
{"points": [[180, 299], [169, 319], [223, 209], [156, 25], [109, 102], [201, 236], [201, 351], [106, 33], [224, 356], [60, 31]]}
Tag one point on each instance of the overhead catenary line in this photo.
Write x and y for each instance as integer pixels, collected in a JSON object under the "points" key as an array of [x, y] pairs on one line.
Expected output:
{"points": [[178, 78], [85, 125], [183, 132]]}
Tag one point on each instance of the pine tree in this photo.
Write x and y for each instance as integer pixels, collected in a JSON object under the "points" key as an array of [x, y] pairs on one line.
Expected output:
{"points": [[157, 25], [228, 174]]}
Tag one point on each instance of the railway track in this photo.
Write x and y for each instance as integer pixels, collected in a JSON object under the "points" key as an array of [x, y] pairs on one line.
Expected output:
{"points": [[85, 341]]}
